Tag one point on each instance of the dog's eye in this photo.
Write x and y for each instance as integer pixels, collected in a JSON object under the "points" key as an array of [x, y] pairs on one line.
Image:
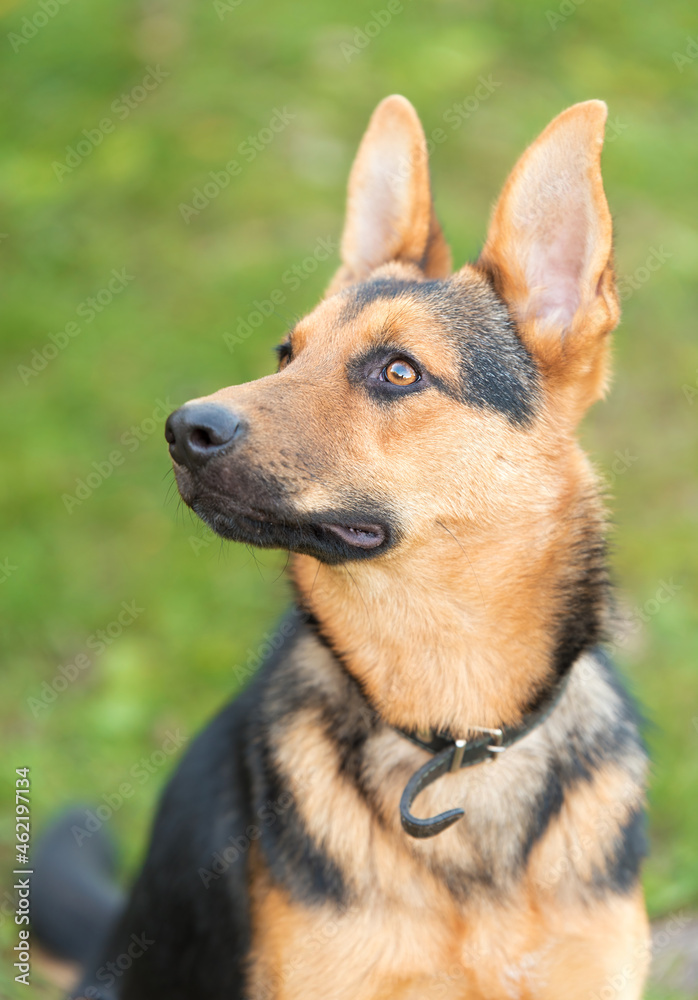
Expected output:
{"points": [[284, 354], [400, 373]]}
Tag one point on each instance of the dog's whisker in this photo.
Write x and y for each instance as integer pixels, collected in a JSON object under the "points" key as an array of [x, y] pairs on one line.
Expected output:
{"points": [[462, 548], [317, 571], [283, 570], [254, 556], [358, 589]]}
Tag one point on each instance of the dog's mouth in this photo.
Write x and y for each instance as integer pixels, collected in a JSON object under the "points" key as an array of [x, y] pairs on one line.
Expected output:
{"points": [[361, 536], [332, 536]]}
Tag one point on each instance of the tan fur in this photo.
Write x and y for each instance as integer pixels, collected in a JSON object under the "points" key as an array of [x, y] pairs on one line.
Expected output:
{"points": [[390, 216], [402, 933], [513, 950], [455, 626], [489, 529], [565, 160]]}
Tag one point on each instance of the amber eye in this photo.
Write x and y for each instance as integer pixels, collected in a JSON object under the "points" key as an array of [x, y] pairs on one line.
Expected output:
{"points": [[400, 373]]}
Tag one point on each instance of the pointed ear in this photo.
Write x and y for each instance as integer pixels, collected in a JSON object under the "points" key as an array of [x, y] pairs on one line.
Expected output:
{"points": [[390, 215], [549, 248]]}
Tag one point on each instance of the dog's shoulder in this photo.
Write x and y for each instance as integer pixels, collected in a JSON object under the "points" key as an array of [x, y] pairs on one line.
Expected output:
{"points": [[188, 912]]}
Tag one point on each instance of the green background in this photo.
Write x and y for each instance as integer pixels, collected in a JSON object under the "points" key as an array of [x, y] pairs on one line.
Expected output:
{"points": [[206, 605]]}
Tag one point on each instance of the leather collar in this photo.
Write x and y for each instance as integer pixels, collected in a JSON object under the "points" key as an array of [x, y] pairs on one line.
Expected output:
{"points": [[454, 754]]}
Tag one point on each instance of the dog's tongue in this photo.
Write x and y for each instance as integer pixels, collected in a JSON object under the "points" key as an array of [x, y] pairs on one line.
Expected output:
{"points": [[364, 536]]}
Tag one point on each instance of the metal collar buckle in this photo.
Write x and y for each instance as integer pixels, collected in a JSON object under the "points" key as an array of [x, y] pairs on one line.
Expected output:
{"points": [[494, 748], [454, 755]]}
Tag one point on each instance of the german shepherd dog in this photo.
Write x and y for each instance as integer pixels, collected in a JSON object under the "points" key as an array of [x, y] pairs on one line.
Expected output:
{"points": [[434, 787]]}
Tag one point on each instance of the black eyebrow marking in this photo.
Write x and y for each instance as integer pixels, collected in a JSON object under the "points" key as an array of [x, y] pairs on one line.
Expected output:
{"points": [[497, 371]]}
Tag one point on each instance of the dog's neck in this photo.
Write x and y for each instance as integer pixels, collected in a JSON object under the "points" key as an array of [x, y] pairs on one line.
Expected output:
{"points": [[467, 627]]}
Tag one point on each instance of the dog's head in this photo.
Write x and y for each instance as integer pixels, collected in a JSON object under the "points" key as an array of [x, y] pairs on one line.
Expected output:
{"points": [[412, 397]]}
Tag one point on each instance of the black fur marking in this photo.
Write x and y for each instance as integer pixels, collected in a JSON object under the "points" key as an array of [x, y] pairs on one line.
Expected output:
{"points": [[357, 297], [629, 849], [348, 719], [294, 859], [544, 810], [191, 897], [497, 372], [581, 764], [193, 940], [284, 351], [230, 793], [585, 757], [366, 709], [583, 600]]}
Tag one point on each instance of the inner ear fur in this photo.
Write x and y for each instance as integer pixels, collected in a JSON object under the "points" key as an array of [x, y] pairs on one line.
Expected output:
{"points": [[549, 250], [390, 214]]}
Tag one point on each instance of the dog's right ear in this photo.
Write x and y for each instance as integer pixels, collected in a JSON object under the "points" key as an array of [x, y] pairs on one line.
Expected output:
{"points": [[390, 214], [549, 252]]}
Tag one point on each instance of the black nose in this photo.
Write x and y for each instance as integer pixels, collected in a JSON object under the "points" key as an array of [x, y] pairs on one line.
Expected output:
{"points": [[198, 431]]}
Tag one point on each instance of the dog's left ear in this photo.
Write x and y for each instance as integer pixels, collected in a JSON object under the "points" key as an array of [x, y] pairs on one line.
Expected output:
{"points": [[549, 252], [390, 215]]}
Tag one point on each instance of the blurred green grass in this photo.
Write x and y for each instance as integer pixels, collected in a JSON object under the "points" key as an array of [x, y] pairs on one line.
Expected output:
{"points": [[206, 606]]}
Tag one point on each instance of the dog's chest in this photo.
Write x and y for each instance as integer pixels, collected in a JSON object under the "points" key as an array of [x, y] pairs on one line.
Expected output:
{"points": [[346, 904], [407, 947], [384, 915]]}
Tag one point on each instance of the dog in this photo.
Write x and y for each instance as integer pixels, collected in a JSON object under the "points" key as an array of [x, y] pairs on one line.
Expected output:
{"points": [[435, 785]]}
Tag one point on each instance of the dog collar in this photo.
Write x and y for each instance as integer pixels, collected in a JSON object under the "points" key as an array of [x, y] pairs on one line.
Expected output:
{"points": [[454, 754]]}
